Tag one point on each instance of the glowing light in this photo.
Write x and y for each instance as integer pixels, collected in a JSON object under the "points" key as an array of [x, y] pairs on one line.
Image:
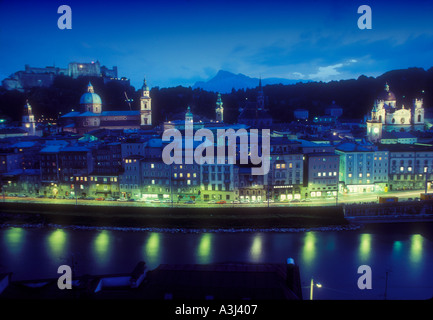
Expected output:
{"points": [[152, 247], [416, 248], [204, 248], [365, 246], [14, 239], [57, 242], [101, 245], [309, 249], [256, 248]]}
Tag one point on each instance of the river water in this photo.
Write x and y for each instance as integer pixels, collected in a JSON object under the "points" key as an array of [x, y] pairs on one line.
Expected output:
{"points": [[401, 258]]}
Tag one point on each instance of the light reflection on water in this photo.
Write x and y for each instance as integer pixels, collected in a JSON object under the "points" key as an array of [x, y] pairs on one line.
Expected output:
{"points": [[330, 257]]}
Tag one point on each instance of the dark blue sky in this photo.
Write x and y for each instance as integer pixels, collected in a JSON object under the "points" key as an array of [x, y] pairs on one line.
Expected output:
{"points": [[179, 42]]}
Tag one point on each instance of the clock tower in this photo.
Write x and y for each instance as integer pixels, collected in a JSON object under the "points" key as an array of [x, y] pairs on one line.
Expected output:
{"points": [[374, 126]]}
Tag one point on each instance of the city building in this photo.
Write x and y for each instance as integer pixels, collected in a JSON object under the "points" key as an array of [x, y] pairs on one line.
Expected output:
{"points": [[363, 168], [321, 174], [410, 166]]}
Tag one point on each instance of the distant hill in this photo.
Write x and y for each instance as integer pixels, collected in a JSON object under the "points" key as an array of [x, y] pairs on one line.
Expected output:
{"points": [[225, 81]]}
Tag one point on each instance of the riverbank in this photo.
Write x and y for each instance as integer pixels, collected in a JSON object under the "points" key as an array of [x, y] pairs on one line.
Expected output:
{"points": [[226, 218]]}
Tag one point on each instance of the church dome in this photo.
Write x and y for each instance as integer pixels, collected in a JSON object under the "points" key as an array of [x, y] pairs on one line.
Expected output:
{"points": [[90, 97], [387, 95]]}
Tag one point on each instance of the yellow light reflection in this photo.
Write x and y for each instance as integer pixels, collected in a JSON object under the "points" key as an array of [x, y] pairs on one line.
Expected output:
{"points": [[101, 245], [309, 249], [204, 248], [152, 247], [57, 242], [365, 246], [416, 248], [256, 248], [14, 239]]}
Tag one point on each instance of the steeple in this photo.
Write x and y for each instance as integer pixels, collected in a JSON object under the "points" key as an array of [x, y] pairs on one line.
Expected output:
{"points": [[260, 97], [28, 120], [90, 88], [145, 87], [219, 110]]}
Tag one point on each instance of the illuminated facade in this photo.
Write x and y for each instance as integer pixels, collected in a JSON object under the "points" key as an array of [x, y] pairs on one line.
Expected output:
{"points": [[363, 168], [386, 115]]}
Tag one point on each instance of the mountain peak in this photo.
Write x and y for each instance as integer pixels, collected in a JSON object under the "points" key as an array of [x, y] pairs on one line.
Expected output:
{"points": [[224, 81]]}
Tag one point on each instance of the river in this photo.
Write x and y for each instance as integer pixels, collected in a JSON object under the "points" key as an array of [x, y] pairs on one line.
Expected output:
{"points": [[400, 256]]}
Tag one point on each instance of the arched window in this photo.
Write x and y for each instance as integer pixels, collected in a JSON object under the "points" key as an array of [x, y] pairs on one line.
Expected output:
{"points": [[419, 118], [402, 120], [380, 118], [393, 120]]}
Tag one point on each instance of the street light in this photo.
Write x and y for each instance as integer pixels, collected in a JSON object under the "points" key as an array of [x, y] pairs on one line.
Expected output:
{"points": [[318, 285]]}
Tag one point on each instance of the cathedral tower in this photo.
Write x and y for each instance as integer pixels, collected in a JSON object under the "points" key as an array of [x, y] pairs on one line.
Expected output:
{"points": [[145, 106]]}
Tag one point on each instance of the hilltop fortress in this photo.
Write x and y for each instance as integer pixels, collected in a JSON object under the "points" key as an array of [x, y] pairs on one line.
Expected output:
{"points": [[44, 77]]}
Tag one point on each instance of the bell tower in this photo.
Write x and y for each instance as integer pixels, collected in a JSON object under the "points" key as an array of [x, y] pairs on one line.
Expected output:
{"points": [[374, 126], [145, 106]]}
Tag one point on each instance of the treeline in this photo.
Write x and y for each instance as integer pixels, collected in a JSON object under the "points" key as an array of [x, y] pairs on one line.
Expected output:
{"points": [[356, 96]]}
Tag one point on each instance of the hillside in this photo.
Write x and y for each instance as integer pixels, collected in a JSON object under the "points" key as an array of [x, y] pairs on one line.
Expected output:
{"points": [[356, 96]]}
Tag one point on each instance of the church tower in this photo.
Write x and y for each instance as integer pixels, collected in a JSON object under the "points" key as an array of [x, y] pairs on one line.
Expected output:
{"points": [[145, 106], [28, 120], [219, 110], [418, 114], [260, 97], [374, 126]]}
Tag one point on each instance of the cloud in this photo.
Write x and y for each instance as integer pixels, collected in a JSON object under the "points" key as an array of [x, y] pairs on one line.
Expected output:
{"points": [[326, 73], [330, 72]]}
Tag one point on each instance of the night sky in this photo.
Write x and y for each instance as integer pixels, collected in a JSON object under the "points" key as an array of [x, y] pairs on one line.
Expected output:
{"points": [[180, 42]]}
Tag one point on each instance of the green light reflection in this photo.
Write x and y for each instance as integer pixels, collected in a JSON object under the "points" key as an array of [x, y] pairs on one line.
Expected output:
{"points": [[204, 248], [101, 245], [14, 238], [256, 248], [57, 242], [309, 248], [365, 246], [152, 248], [416, 248]]}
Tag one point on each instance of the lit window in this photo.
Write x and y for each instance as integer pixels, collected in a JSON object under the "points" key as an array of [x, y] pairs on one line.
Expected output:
{"points": [[188, 175], [152, 165], [188, 182], [335, 173], [324, 174], [175, 175], [401, 168], [319, 174], [360, 175], [277, 166], [180, 175], [350, 175], [153, 181], [194, 175], [368, 174], [283, 166], [409, 169]]}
